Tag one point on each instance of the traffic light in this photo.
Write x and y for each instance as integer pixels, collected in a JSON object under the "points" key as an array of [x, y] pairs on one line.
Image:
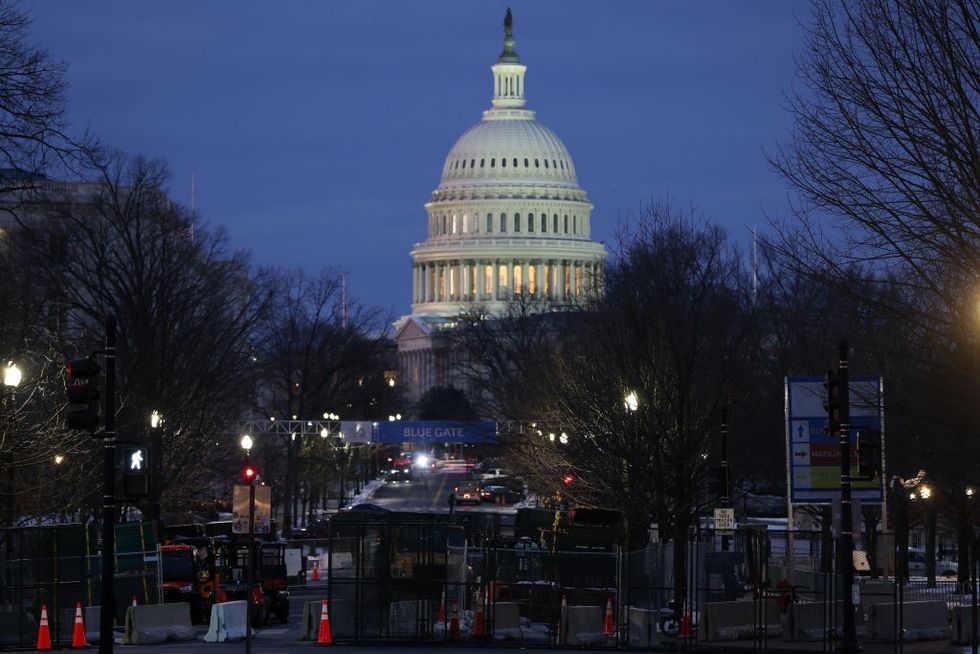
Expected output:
{"points": [[567, 478], [832, 405], [249, 473], [82, 377], [869, 453], [136, 473]]}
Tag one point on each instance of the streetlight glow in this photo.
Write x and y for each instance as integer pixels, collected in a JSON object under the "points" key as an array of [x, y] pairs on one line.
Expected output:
{"points": [[11, 375], [324, 433], [925, 492], [155, 419], [631, 401], [58, 458], [247, 442]]}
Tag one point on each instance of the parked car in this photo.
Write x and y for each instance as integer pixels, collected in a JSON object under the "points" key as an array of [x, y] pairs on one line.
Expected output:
{"points": [[494, 473], [917, 564], [500, 494]]}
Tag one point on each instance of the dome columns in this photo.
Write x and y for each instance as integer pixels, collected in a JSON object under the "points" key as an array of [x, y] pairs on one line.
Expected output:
{"points": [[481, 280]]}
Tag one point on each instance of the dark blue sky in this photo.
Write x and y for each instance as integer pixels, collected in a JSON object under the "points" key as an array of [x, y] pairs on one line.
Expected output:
{"points": [[318, 129]]}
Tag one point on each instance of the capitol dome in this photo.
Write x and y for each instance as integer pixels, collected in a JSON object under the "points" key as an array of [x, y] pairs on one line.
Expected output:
{"points": [[508, 217]]}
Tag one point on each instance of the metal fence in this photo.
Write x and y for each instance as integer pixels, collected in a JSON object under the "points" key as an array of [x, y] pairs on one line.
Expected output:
{"points": [[59, 567], [759, 588]]}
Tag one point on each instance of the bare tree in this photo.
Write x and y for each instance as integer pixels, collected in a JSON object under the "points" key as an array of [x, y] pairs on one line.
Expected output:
{"points": [[887, 145], [319, 353], [185, 305]]}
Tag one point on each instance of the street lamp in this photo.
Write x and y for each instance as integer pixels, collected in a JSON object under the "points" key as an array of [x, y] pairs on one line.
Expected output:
{"points": [[631, 401], [156, 469], [11, 375], [246, 443]]}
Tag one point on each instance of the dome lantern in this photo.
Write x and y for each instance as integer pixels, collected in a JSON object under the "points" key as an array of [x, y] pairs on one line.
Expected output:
{"points": [[508, 72]]}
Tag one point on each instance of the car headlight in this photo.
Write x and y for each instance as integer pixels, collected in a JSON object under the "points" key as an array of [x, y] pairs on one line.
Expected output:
{"points": [[186, 589]]}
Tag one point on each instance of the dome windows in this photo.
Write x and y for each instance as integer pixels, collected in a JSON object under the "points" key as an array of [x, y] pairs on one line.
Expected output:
{"points": [[503, 162], [489, 223], [503, 223], [536, 164], [554, 224], [472, 163], [493, 163], [464, 164], [544, 223], [515, 162], [530, 223], [526, 163], [482, 161], [545, 163], [517, 223]]}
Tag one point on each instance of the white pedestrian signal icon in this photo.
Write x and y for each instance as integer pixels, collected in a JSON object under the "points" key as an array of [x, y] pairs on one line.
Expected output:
{"points": [[136, 460]]}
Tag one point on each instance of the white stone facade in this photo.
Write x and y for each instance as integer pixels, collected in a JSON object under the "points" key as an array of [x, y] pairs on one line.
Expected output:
{"points": [[507, 218]]}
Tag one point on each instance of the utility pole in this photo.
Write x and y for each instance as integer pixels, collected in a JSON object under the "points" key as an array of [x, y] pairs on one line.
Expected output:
{"points": [[108, 610], [848, 642]]}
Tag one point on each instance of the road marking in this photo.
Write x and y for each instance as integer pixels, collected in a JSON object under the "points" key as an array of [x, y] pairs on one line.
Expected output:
{"points": [[442, 485]]}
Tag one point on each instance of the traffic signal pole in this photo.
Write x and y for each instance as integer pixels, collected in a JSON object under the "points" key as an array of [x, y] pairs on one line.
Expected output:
{"points": [[848, 642], [108, 611]]}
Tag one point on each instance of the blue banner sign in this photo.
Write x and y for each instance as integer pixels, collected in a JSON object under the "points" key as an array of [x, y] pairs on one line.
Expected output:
{"points": [[437, 431]]}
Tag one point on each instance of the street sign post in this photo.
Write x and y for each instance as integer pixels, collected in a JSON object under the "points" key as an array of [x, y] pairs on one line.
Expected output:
{"points": [[724, 521], [813, 455]]}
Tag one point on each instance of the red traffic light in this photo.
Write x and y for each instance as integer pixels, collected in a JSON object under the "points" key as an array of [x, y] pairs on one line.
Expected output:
{"points": [[248, 472], [567, 478]]}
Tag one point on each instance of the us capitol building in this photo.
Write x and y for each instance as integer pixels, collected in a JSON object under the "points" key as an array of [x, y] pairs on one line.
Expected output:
{"points": [[508, 218]]}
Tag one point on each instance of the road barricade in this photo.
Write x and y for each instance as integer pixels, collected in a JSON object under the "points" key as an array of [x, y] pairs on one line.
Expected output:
{"points": [[17, 628], [341, 620], [928, 620], [505, 619], [642, 627], [147, 624], [404, 618], [962, 625], [739, 620], [66, 623], [810, 621], [228, 622], [582, 625]]}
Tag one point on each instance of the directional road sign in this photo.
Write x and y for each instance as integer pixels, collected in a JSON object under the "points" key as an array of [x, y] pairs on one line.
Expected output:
{"points": [[813, 456]]}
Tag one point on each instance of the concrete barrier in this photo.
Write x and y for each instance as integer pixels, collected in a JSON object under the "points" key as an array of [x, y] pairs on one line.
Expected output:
{"points": [[17, 629], [642, 627], [927, 620], [505, 618], [404, 618], [227, 622], [148, 624], [811, 620], [90, 618], [739, 620], [341, 620], [876, 591], [582, 625], [962, 625]]}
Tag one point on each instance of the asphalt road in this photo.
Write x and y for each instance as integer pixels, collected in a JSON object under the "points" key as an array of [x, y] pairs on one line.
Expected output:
{"points": [[429, 492]]}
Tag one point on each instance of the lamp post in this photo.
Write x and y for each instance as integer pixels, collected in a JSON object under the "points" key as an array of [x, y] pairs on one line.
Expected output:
{"points": [[11, 380], [246, 444], [156, 472]]}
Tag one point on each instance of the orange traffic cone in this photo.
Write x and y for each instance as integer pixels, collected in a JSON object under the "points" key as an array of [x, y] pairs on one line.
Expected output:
{"points": [[43, 634], [441, 617], [78, 632], [325, 637], [479, 624], [608, 622], [454, 625], [685, 626], [316, 571]]}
